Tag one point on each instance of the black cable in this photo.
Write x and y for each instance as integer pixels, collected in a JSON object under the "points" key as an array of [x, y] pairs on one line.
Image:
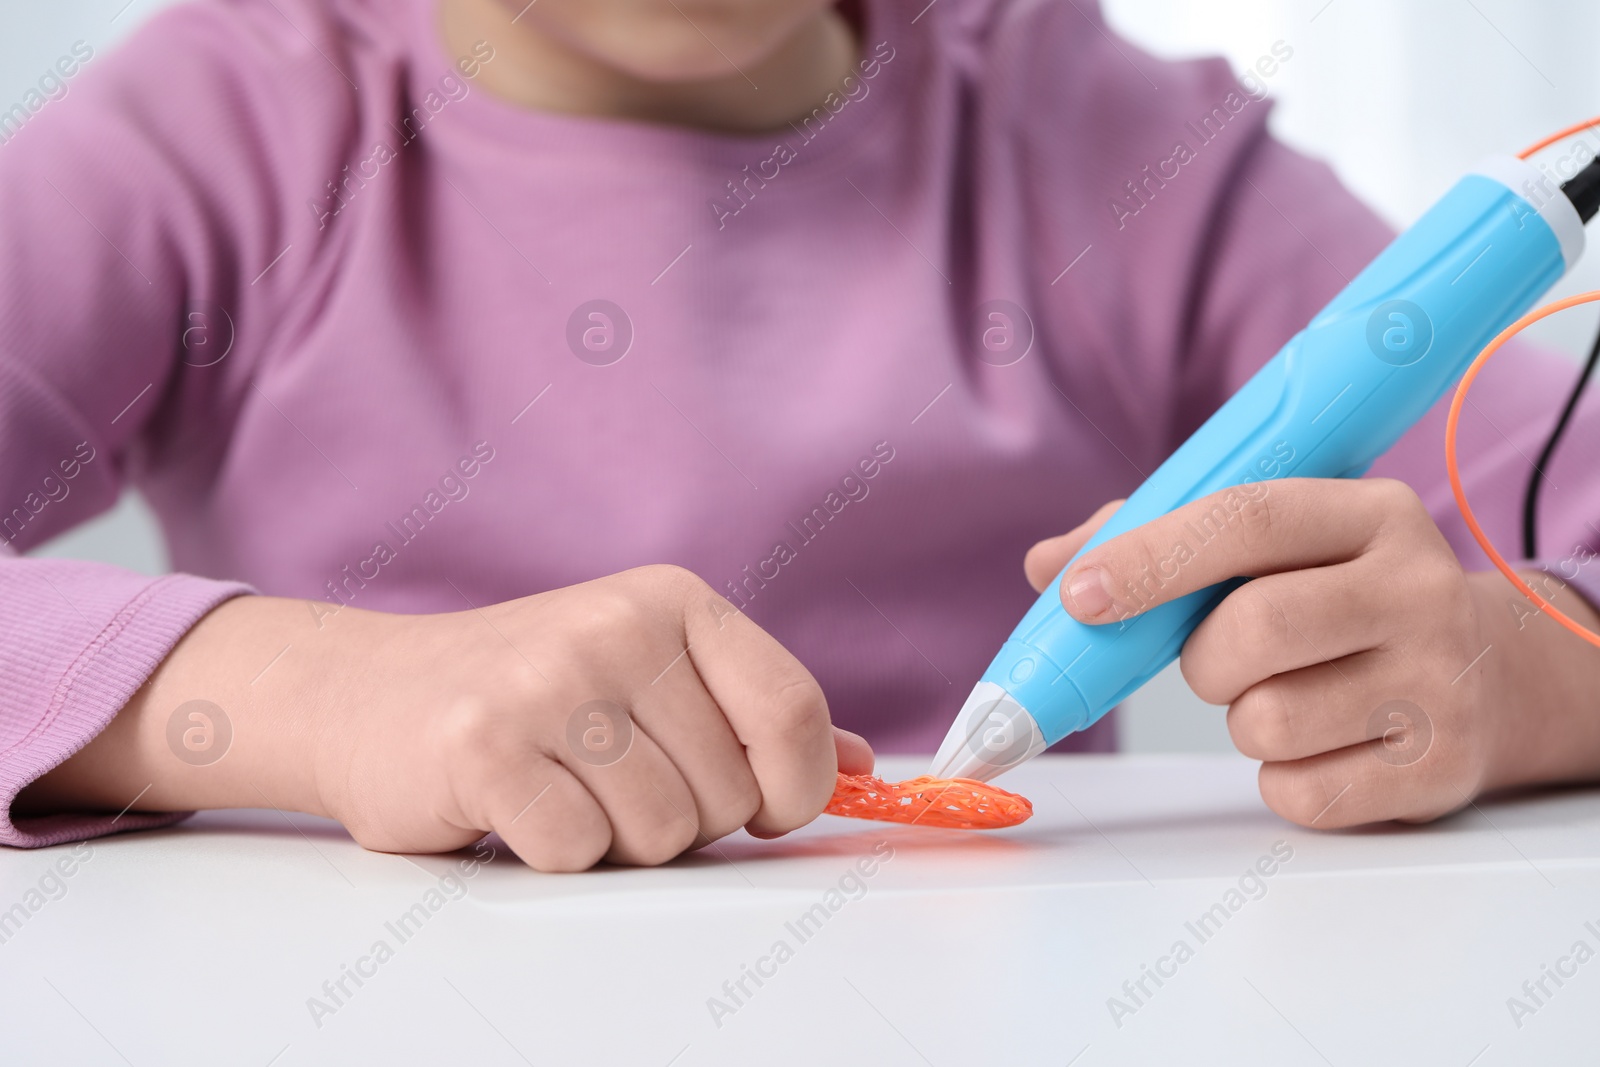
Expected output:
{"points": [[1583, 190], [1530, 500]]}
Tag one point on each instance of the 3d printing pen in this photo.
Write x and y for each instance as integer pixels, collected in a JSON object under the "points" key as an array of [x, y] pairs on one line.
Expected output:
{"points": [[1338, 395]]}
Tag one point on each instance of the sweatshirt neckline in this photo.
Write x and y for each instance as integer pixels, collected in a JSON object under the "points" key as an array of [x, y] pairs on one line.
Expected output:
{"points": [[515, 126]]}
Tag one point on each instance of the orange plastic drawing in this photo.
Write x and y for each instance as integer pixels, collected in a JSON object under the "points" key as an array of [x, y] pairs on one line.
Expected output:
{"points": [[954, 803]]}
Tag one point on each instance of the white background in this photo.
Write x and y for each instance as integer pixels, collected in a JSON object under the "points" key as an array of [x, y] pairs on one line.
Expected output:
{"points": [[1400, 96]]}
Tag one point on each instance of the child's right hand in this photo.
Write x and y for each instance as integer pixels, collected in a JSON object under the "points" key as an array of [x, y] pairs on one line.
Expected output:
{"points": [[629, 719]]}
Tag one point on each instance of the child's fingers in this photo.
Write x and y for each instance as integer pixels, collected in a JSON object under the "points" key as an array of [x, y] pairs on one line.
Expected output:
{"points": [[853, 752], [684, 720], [1045, 559], [855, 757], [548, 818], [1252, 530], [650, 807], [1368, 783], [1284, 622], [1316, 709], [776, 709]]}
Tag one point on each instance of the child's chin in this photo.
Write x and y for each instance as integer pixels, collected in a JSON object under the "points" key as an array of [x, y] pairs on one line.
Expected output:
{"points": [[692, 63], [680, 52]]}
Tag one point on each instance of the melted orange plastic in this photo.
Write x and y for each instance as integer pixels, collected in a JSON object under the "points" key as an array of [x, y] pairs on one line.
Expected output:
{"points": [[955, 803]]}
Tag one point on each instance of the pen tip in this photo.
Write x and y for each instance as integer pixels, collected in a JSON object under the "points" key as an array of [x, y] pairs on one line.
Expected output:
{"points": [[992, 733]]}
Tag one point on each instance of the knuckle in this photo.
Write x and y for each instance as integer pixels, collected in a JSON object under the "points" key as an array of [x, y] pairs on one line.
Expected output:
{"points": [[1248, 515], [1136, 572], [570, 852], [679, 581], [1434, 588], [1260, 516], [1202, 679], [1260, 622], [1440, 783], [665, 836], [783, 818], [472, 733], [1294, 792], [1451, 763], [796, 705], [1442, 575], [1261, 724], [566, 831], [735, 809], [610, 612], [1393, 500]]}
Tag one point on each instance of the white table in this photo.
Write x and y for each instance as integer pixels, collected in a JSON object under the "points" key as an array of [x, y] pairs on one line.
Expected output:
{"points": [[203, 944]]}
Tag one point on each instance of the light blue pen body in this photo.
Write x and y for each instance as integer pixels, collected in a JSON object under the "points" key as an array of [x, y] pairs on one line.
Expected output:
{"points": [[1334, 399]]}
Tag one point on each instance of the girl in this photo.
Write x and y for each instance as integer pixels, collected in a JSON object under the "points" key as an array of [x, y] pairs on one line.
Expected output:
{"points": [[495, 369]]}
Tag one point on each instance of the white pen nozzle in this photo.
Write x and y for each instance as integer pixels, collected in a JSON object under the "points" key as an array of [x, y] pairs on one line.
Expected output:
{"points": [[992, 733]]}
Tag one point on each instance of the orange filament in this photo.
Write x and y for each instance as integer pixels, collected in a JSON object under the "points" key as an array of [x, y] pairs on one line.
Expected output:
{"points": [[1559, 135], [1450, 427], [1454, 420], [954, 803]]}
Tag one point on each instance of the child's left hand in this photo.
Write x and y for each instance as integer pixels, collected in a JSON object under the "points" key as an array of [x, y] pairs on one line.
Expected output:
{"points": [[1373, 676]]}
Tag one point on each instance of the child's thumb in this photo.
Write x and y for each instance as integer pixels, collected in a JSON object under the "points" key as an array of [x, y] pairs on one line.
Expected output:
{"points": [[855, 755]]}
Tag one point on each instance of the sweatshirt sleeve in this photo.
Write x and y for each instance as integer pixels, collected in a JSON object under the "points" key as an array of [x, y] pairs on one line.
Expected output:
{"points": [[140, 209]]}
